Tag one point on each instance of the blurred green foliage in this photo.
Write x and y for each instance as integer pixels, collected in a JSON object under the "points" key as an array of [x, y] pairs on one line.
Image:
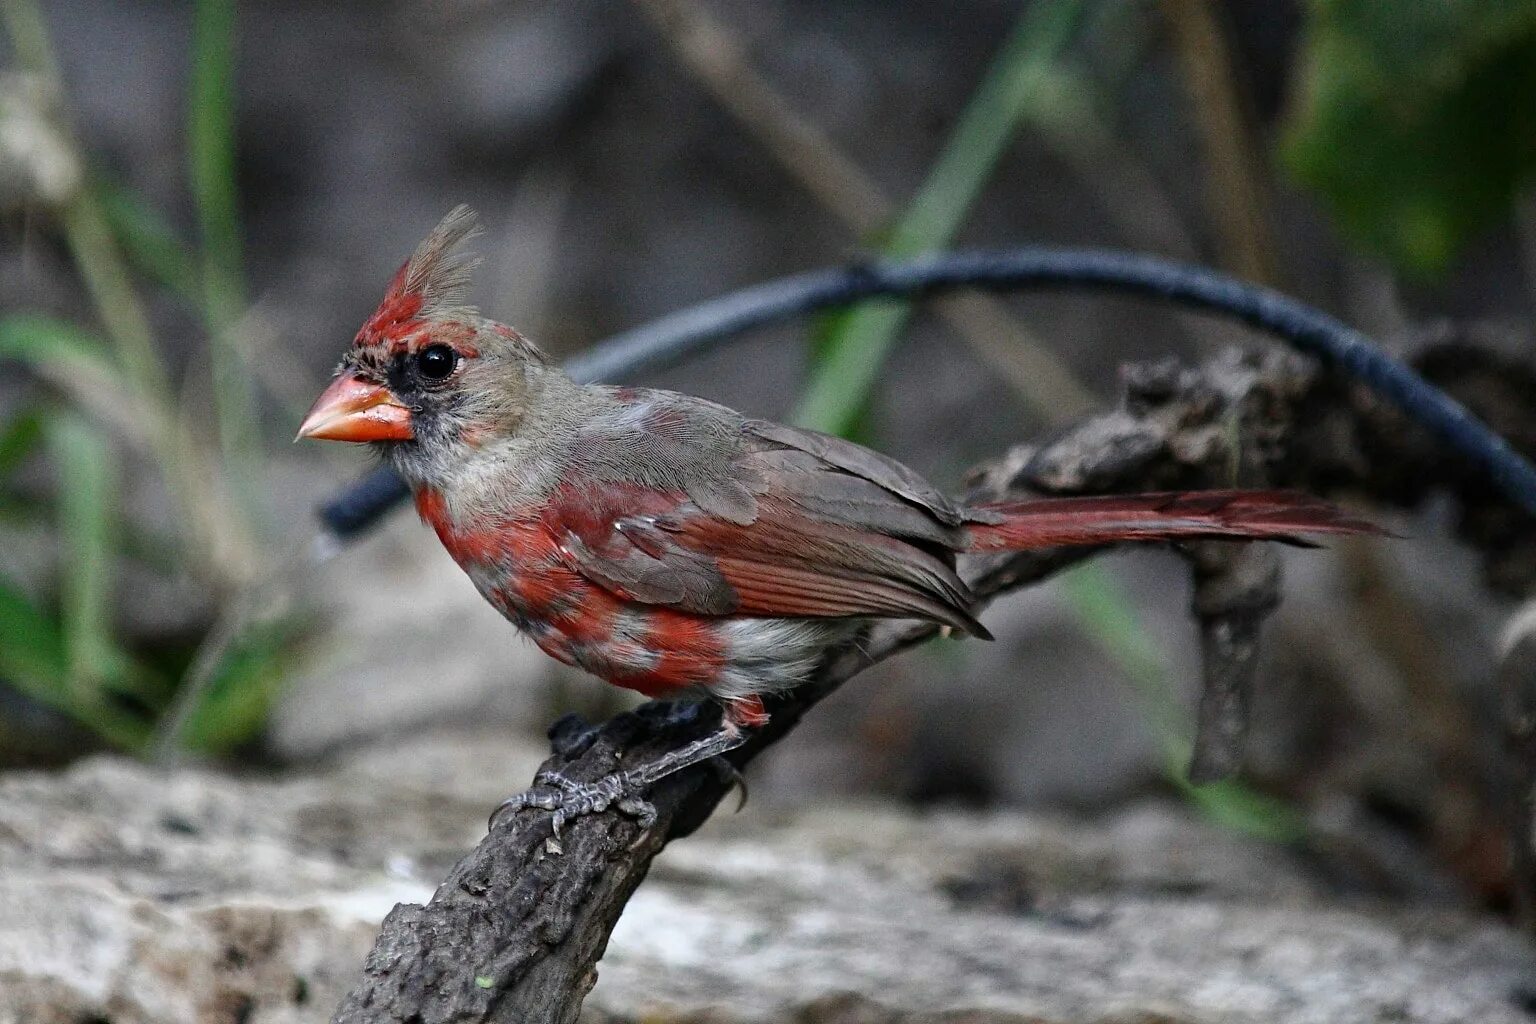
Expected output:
{"points": [[211, 159], [1415, 122], [151, 246], [112, 405]]}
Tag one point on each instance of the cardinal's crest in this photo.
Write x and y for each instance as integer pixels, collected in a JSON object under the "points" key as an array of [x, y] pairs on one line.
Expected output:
{"points": [[431, 285]]}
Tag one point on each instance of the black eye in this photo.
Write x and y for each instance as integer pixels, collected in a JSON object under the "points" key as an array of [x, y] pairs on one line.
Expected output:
{"points": [[436, 362]]}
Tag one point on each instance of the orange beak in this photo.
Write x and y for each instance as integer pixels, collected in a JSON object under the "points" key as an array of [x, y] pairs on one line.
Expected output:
{"points": [[352, 409]]}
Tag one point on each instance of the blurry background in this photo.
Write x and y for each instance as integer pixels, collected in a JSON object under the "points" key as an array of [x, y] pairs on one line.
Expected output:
{"points": [[200, 202]]}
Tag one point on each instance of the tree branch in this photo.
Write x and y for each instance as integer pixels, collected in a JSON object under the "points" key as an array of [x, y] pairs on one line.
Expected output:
{"points": [[1236, 588]]}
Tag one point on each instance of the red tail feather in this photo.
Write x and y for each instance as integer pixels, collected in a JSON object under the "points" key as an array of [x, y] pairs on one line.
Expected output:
{"points": [[1286, 516]]}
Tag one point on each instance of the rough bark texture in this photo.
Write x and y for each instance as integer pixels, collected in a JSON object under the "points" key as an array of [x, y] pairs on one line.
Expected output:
{"points": [[515, 932], [1235, 588]]}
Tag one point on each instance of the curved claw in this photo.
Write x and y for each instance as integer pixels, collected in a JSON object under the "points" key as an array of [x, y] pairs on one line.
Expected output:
{"points": [[729, 774], [521, 801]]}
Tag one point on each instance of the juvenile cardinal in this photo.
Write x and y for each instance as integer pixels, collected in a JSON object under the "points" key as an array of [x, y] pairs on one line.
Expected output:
{"points": [[668, 544]]}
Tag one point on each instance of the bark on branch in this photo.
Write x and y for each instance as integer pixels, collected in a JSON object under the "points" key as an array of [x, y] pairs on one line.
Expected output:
{"points": [[515, 932]]}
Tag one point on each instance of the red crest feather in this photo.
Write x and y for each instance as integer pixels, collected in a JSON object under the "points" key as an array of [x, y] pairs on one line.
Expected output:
{"points": [[430, 285]]}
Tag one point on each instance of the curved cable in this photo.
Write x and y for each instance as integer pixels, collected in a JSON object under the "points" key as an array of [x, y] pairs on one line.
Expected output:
{"points": [[673, 338]]}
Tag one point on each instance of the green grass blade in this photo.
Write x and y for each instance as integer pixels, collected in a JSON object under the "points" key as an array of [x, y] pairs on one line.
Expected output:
{"points": [[985, 128], [29, 37], [151, 245], [106, 277], [32, 658], [211, 152], [141, 375], [234, 708], [87, 502], [19, 438], [36, 339], [1107, 616], [97, 671], [1233, 805], [851, 358], [79, 365]]}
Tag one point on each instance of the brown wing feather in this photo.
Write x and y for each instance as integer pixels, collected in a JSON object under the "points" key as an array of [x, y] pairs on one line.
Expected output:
{"points": [[788, 563], [828, 527], [785, 563], [858, 461]]}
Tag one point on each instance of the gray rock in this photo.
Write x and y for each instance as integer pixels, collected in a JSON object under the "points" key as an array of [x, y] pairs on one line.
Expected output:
{"points": [[1142, 916], [133, 894]]}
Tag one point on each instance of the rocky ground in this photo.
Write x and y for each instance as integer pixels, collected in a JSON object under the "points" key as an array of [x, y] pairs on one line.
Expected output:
{"points": [[130, 894]]}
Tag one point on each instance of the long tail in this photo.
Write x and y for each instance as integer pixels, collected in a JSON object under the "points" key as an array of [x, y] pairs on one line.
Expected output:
{"points": [[1285, 516]]}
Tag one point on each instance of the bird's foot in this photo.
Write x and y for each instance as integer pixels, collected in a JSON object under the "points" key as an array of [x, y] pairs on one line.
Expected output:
{"points": [[624, 791], [568, 799]]}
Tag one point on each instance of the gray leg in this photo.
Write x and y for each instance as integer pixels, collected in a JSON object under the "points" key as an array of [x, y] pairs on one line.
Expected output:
{"points": [[569, 799]]}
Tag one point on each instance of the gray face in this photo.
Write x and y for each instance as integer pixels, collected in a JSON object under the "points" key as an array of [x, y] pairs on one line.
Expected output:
{"points": [[464, 392]]}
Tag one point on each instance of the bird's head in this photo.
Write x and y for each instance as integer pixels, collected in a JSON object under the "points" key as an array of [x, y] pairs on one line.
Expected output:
{"points": [[427, 376]]}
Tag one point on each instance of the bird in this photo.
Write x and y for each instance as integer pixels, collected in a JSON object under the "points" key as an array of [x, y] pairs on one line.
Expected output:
{"points": [[673, 546]]}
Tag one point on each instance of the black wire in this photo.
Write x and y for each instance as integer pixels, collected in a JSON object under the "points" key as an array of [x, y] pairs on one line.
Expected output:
{"points": [[673, 338]]}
